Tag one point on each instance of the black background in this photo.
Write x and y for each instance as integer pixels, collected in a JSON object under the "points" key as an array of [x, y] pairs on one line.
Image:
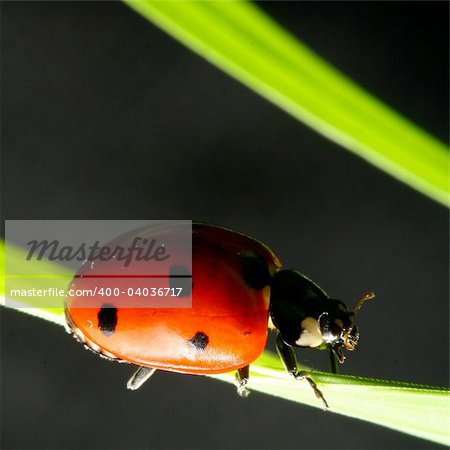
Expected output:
{"points": [[106, 117]]}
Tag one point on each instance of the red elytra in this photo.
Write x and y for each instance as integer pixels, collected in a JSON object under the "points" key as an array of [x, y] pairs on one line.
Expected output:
{"points": [[224, 330]]}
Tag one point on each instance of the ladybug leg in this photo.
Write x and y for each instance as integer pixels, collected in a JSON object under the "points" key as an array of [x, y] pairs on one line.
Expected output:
{"points": [[289, 360], [242, 376], [333, 362], [140, 377]]}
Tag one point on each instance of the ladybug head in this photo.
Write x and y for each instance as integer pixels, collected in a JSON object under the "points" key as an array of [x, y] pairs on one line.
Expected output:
{"points": [[337, 327], [305, 316]]}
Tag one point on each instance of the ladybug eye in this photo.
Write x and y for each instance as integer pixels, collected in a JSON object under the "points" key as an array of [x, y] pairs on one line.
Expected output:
{"points": [[331, 330]]}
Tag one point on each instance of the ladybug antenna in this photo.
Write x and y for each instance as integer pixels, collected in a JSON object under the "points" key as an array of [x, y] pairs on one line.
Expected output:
{"points": [[350, 341], [369, 296]]}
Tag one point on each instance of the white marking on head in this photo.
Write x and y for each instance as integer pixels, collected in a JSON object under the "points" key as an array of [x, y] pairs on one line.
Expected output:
{"points": [[310, 335]]}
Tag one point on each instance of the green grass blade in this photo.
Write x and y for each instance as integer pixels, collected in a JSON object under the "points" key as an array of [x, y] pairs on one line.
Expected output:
{"points": [[244, 42], [16, 258], [422, 411]]}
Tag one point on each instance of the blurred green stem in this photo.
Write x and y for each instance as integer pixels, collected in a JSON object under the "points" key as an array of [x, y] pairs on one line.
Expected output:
{"points": [[243, 41]]}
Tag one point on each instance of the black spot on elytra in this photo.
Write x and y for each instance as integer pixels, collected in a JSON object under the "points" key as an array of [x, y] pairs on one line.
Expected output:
{"points": [[180, 278], [107, 319], [199, 341], [254, 270]]}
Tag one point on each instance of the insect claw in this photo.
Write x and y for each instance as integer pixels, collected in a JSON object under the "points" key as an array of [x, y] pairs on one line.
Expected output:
{"points": [[242, 381], [242, 390], [302, 375]]}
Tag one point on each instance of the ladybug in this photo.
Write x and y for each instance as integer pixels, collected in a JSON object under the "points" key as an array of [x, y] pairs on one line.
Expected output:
{"points": [[239, 290]]}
